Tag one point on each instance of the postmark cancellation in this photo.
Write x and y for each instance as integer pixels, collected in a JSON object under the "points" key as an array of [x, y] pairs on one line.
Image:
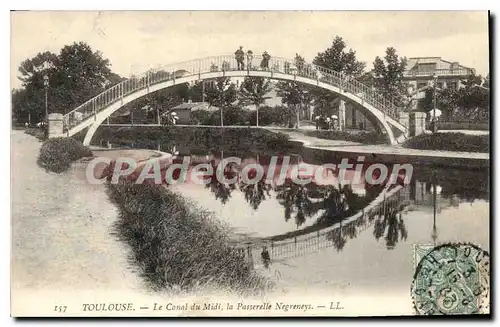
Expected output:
{"points": [[451, 279]]}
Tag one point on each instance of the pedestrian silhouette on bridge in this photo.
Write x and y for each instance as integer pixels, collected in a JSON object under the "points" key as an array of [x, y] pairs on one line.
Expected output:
{"points": [[249, 59], [264, 64], [266, 258], [239, 55]]}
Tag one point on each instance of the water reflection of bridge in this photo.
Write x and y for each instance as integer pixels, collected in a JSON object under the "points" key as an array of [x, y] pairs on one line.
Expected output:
{"points": [[391, 201]]}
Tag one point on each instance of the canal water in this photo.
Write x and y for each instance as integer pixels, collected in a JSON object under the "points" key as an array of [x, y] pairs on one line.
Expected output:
{"points": [[345, 239]]}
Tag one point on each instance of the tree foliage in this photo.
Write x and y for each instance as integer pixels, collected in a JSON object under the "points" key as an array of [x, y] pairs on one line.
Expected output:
{"points": [[339, 59], [470, 101], [388, 76], [294, 95], [486, 82], [254, 91], [75, 75], [220, 92]]}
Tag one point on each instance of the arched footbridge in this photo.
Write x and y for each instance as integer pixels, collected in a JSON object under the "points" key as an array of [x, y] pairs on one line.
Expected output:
{"points": [[378, 109]]}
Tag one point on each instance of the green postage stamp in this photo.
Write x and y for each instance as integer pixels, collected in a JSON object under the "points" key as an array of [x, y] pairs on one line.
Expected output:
{"points": [[451, 279]]}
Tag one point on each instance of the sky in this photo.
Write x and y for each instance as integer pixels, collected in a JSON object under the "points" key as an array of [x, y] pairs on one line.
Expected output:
{"points": [[136, 41]]}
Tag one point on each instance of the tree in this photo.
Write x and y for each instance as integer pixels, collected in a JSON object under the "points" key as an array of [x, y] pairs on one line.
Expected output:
{"points": [[486, 82], [253, 91], [197, 90], [341, 60], [470, 101], [294, 95], [447, 100], [388, 74], [28, 103], [474, 99], [82, 74], [221, 93], [25, 107], [76, 74], [337, 58], [278, 115]]}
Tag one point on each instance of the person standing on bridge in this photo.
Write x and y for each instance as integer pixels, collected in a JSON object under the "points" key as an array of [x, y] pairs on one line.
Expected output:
{"points": [[264, 64], [239, 55], [249, 59]]}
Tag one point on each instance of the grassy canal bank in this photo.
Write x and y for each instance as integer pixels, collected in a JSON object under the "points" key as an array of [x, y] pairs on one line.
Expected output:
{"points": [[176, 243]]}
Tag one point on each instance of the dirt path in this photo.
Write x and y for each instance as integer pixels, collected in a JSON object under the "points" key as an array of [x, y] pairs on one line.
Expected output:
{"points": [[61, 229]]}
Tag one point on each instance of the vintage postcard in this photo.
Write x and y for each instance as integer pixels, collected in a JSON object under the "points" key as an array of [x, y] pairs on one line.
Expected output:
{"points": [[250, 163]]}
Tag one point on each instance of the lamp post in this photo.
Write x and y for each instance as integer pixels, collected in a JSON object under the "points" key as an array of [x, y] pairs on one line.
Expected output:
{"points": [[46, 86]]}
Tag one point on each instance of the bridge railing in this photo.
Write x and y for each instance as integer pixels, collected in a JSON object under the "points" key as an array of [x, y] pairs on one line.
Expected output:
{"points": [[223, 64]]}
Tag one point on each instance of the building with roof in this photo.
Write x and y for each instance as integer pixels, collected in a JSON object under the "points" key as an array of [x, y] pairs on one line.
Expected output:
{"points": [[421, 71]]}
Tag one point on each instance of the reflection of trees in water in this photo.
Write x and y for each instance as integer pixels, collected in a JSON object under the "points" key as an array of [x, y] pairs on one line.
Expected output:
{"points": [[387, 219], [338, 238], [296, 201], [334, 202], [341, 202], [222, 191], [255, 193], [303, 201], [299, 201], [390, 222]]}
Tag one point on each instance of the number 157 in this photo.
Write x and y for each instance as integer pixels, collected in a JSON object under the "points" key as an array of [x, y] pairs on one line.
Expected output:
{"points": [[60, 308]]}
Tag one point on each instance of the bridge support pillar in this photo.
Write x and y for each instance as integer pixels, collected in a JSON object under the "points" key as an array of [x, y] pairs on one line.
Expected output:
{"points": [[417, 123], [342, 115], [56, 125]]}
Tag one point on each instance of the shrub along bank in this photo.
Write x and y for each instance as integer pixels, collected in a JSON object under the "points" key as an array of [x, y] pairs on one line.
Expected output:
{"points": [[450, 142], [360, 137], [57, 154], [36, 132], [176, 244]]}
